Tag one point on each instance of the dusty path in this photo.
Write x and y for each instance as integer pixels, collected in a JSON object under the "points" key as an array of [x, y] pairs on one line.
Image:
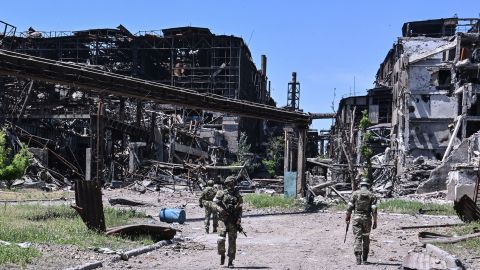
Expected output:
{"points": [[294, 241]]}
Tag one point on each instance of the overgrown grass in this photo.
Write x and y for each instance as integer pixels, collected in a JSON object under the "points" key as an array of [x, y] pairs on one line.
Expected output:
{"points": [[267, 201], [471, 246], [339, 207], [16, 255], [58, 225], [33, 194], [466, 228], [408, 207], [413, 207]]}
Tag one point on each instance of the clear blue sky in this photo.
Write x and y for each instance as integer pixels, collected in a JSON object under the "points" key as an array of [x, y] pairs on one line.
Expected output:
{"points": [[327, 43]]}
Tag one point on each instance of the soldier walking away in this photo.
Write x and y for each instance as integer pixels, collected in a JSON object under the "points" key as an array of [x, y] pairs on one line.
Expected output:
{"points": [[229, 205], [206, 200], [364, 205]]}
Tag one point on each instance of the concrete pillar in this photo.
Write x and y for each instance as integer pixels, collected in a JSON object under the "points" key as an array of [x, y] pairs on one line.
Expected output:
{"points": [[100, 143], [172, 140], [287, 156], [133, 154], [158, 135], [88, 164], [301, 180]]}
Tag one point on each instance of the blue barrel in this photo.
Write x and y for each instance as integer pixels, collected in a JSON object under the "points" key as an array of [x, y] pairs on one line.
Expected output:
{"points": [[171, 215]]}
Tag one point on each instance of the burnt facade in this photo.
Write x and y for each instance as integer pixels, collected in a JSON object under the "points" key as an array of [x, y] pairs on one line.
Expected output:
{"points": [[431, 71], [423, 107]]}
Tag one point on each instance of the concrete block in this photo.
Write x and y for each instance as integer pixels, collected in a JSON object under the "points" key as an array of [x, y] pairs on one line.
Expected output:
{"points": [[461, 182]]}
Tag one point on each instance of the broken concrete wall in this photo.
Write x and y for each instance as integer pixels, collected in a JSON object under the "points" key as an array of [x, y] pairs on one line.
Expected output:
{"points": [[438, 177], [461, 181], [422, 112]]}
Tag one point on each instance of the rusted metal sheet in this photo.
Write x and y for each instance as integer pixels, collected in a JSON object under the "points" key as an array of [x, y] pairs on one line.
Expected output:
{"points": [[156, 232], [466, 209], [89, 205]]}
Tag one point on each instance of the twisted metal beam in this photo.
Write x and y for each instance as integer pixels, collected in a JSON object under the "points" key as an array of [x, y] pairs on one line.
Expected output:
{"points": [[89, 79]]}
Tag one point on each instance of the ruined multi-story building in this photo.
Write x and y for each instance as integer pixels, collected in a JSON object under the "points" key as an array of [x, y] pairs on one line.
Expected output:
{"points": [[431, 70], [187, 57], [426, 95], [377, 103]]}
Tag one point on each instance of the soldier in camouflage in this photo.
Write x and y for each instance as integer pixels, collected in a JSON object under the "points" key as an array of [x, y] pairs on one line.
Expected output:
{"points": [[205, 200], [364, 205], [229, 205]]}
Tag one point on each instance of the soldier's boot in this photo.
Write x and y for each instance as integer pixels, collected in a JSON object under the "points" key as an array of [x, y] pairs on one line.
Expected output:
{"points": [[214, 229], [206, 230], [230, 263], [222, 259], [359, 259], [364, 258]]}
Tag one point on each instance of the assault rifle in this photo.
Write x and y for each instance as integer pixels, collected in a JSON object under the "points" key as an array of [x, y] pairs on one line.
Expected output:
{"points": [[346, 231], [240, 230], [230, 215]]}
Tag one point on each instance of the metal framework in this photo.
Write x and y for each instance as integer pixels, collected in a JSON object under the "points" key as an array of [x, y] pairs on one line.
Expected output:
{"points": [[188, 57], [293, 99], [7, 31], [90, 79]]}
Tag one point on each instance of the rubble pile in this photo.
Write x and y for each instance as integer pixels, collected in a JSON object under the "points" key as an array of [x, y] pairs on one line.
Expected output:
{"points": [[413, 176]]}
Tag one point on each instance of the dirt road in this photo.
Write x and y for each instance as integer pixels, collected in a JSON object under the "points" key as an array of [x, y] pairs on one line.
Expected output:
{"points": [[286, 241]]}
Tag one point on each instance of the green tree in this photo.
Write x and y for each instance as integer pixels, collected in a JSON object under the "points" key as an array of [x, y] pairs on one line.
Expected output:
{"points": [[14, 168], [275, 155], [243, 152], [366, 150]]}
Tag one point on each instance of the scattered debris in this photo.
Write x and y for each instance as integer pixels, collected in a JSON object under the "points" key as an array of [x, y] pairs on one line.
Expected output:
{"points": [[156, 232], [430, 226], [22, 245], [432, 257], [433, 238], [123, 201]]}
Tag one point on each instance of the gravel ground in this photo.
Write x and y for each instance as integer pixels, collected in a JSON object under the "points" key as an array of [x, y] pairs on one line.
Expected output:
{"points": [[283, 241], [275, 240]]}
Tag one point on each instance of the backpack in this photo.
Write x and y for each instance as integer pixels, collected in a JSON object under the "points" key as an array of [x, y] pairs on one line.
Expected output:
{"points": [[363, 202]]}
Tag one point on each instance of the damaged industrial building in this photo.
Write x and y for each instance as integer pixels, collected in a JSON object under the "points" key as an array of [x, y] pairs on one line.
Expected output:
{"points": [[61, 119], [166, 107], [422, 109], [424, 112]]}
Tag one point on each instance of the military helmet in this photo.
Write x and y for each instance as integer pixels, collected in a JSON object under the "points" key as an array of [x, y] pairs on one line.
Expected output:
{"points": [[364, 182], [210, 183], [229, 181]]}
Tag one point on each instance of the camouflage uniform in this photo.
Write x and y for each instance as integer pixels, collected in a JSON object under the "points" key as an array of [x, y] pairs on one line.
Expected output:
{"points": [[363, 202], [205, 200], [229, 206]]}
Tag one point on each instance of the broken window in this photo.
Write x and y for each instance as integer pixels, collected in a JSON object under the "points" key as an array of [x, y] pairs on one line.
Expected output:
{"points": [[442, 79], [472, 127]]}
